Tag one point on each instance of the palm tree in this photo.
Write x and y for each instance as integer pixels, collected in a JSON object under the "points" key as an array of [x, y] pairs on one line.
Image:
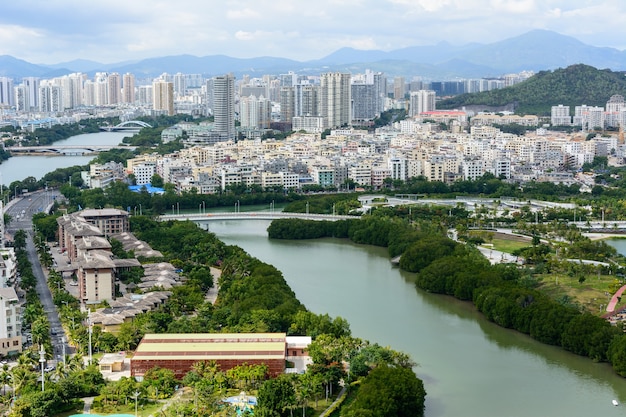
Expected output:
{"points": [[5, 378], [22, 376]]}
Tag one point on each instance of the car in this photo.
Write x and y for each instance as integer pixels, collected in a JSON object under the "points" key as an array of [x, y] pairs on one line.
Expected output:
{"points": [[49, 368], [4, 362]]}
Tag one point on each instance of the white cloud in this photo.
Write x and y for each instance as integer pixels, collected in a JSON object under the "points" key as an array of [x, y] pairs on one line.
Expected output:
{"points": [[243, 14], [47, 32], [514, 6]]}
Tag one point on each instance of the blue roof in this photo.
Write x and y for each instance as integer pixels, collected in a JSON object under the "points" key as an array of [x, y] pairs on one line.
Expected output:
{"points": [[148, 187]]}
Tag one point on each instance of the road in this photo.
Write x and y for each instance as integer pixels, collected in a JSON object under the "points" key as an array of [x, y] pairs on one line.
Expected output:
{"points": [[21, 211]]}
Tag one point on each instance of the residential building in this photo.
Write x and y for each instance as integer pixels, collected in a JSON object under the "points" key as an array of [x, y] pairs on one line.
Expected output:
{"points": [[421, 101], [223, 106], [128, 88], [163, 97], [10, 323], [6, 91], [335, 99], [560, 116]]}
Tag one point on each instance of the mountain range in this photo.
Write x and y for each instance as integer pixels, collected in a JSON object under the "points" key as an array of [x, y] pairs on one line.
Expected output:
{"points": [[535, 51]]}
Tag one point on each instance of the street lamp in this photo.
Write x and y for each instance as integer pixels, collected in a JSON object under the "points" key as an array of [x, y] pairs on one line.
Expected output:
{"points": [[42, 360], [136, 395], [90, 331]]}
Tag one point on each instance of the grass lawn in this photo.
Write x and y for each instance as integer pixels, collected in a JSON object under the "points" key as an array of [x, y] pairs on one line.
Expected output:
{"points": [[507, 245], [591, 294]]}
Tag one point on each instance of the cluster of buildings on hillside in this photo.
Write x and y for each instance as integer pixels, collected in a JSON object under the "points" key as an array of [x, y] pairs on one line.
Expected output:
{"points": [[412, 148], [84, 240]]}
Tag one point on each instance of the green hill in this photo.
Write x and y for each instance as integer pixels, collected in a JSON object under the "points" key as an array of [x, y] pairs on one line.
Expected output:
{"points": [[572, 86]]}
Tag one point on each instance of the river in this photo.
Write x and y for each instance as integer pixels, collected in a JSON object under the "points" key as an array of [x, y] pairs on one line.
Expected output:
{"points": [[471, 367], [17, 168]]}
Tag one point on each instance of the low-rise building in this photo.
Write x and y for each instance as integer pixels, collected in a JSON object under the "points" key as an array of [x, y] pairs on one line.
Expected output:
{"points": [[178, 352]]}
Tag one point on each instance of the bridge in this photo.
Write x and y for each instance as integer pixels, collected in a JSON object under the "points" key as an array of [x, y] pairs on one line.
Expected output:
{"points": [[131, 125], [252, 215], [607, 226], [64, 149]]}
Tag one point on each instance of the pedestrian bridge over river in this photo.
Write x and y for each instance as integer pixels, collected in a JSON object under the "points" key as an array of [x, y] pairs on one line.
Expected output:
{"points": [[64, 149], [252, 215]]}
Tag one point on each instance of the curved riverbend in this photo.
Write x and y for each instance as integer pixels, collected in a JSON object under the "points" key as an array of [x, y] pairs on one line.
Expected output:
{"points": [[470, 366]]}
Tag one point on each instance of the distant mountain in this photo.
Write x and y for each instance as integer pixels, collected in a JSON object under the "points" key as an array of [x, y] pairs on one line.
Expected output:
{"points": [[536, 50], [16, 68], [79, 65], [572, 86], [542, 49]]}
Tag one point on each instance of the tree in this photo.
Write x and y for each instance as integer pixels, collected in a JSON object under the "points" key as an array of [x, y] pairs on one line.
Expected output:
{"points": [[157, 181], [276, 395], [390, 392]]}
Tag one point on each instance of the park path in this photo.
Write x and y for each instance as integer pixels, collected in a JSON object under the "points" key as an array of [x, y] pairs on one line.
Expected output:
{"points": [[339, 398], [211, 295], [615, 299]]}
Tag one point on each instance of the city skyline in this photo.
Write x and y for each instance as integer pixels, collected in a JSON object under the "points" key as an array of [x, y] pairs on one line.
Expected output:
{"points": [[58, 31]]}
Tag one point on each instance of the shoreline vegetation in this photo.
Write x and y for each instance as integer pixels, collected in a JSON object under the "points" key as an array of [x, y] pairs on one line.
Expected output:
{"points": [[505, 294]]}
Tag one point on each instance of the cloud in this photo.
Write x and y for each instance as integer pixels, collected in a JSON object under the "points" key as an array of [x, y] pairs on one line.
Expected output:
{"points": [[243, 14], [514, 6], [118, 30]]}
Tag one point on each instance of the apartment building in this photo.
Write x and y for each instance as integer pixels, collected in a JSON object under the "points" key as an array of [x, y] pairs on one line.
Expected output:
{"points": [[10, 323]]}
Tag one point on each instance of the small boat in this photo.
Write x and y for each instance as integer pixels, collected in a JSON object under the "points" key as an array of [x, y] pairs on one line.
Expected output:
{"points": [[615, 402]]}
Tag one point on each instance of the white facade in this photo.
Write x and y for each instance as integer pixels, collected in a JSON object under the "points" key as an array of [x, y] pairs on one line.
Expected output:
{"points": [[10, 322], [421, 101], [560, 116]]}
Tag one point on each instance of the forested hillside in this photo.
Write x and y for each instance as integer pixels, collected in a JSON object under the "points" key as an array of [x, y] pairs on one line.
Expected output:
{"points": [[572, 86]]}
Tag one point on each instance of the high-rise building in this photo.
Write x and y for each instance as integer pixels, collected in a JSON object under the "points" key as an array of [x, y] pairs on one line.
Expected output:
{"points": [[50, 98], [22, 98], [32, 87], [180, 84], [114, 86], [560, 116], [101, 89], [223, 102], [307, 100], [163, 97], [421, 102], [6, 91], [589, 117], [255, 112], [145, 94], [128, 88], [72, 89], [615, 108], [399, 88], [335, 99], [287, 104], [368, 95]]}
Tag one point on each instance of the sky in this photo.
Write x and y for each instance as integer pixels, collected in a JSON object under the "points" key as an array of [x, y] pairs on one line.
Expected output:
{"points": [[114, 31]]}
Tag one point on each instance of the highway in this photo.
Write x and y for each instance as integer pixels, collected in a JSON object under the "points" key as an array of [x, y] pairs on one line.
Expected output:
{"points": [[21, 211]]}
